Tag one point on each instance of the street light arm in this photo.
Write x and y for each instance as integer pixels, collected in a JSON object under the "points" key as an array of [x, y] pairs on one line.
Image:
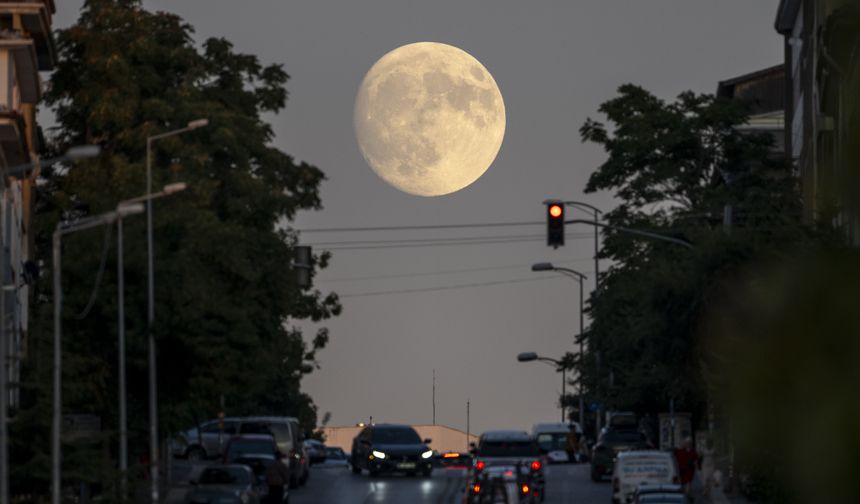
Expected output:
{"points": [[646, 234], [148, 197], [571, 272], [584, 205]]}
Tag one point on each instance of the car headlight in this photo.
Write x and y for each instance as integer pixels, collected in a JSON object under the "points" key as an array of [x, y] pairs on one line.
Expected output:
{"points": [[378, 454], [427, 454]]}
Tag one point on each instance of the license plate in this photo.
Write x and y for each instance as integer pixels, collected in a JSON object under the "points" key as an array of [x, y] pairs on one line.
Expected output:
{"points": [[406, 465]]}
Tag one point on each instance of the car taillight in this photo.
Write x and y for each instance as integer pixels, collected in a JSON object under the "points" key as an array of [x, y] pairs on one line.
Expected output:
{"points": [[616, 485], [480, 465], [476, 488], [536, 465], [525, 489]]}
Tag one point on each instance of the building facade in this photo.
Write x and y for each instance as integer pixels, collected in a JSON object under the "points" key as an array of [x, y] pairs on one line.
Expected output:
{"points": [[26, 49], [822, 56]]}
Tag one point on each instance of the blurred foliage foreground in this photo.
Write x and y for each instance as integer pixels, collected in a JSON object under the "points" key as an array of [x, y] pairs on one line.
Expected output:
{"points": [[788, 349]]}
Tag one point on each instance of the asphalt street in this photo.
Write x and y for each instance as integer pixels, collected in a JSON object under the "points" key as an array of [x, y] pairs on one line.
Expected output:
{"points": [[565, 484]]}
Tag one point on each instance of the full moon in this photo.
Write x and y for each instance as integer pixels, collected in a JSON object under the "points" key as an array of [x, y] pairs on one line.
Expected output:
{"points": [[429, 118]]}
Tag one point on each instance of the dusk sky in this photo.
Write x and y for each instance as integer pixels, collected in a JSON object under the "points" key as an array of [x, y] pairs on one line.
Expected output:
{"points": [[555, 62]]}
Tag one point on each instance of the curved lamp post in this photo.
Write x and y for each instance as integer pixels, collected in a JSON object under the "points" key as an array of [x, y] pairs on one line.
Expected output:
{"points": [[64, 228], [153, 392], [580, 278], [120, 266], [532, 356]]}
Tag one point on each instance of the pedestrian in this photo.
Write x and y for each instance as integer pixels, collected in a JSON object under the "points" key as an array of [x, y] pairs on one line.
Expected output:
{"points": [[708, 467], [277, 478], [687, 460], [572, 444]]}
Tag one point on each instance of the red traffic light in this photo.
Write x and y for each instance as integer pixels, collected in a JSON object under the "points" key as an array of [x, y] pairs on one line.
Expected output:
{"points": [[555, 224]]}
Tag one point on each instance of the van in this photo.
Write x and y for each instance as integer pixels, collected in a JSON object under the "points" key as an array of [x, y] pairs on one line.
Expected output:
{"points": [[551, 438], [636, 468]]}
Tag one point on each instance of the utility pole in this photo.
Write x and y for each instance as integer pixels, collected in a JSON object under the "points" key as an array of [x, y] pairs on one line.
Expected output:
{"points": [[434, 397], [467, 425]]}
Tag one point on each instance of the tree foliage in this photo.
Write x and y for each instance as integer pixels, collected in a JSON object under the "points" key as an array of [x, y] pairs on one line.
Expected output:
{"points": [[225, 289], [674, 167]]}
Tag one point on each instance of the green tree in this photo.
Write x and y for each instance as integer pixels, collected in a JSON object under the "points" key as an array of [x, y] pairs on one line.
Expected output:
{"points": [[226, 294], [674, 166]]}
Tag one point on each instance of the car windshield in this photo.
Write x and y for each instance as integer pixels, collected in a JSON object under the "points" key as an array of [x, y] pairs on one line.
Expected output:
{"points": [[224, 476], [248, 446], [619, 437], [508, 449], [395, 436], [334, 453], [551, 441]]}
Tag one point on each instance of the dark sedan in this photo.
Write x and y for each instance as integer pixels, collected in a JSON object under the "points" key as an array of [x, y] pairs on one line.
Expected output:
{"points": [[390, 448]]}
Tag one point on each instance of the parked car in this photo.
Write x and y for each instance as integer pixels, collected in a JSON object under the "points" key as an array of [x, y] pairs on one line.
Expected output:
{"points": [[289, 437], [335, 457], [389, 448], [552, 440], [244, 445], [611, 443], [509, 448], [636, 468], [224, 484], [205, 442], [315, 451]]}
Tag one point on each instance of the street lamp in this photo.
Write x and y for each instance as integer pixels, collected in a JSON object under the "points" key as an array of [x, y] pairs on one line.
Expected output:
{"points": [[73, 154], [64, 228], [120, 267], [579, 277], [153, 392], [532, 356]]}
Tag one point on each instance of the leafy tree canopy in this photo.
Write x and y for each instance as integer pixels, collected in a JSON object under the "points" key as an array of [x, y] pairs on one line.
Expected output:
{"points": [[225, 289], [674, 167]]}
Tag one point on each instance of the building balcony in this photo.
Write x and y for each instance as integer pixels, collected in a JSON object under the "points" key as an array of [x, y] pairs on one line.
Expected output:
{"points": [[33, 19], [13, 137], [26, 64]]}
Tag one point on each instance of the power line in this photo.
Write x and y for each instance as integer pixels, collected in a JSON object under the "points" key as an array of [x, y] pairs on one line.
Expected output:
{"points": [[439, 239], [428, 226], [446, 242], [443, 272], [447, 287]]}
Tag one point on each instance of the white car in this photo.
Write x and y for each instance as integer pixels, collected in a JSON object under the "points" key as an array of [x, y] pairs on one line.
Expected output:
{"points": [[636, 468], [552, 439]]}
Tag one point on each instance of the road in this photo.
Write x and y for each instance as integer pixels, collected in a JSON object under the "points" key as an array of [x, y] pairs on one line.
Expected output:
{"points": [[565, 484]]}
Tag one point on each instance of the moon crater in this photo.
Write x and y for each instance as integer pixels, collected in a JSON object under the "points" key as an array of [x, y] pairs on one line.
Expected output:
{"points": [[429, 118]]}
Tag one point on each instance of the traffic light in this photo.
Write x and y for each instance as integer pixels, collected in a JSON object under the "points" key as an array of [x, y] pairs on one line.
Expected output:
{"points": [[555, 224]]}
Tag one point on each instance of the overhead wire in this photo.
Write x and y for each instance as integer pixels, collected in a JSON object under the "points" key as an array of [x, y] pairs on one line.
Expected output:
{"points": [[438, 273], [446, 287], [418, 227]]}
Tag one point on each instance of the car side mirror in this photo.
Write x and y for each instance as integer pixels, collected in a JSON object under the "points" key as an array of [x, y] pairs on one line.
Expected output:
{"points": [[428, 441]]}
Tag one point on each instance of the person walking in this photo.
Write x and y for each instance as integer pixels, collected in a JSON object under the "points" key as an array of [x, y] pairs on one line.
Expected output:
{"points": [[277, 478], [687, 460], [572, 444], [708, 467]]}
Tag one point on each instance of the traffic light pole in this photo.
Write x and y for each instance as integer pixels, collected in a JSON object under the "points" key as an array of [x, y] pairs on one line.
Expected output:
{"points": [[637, 232]]}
